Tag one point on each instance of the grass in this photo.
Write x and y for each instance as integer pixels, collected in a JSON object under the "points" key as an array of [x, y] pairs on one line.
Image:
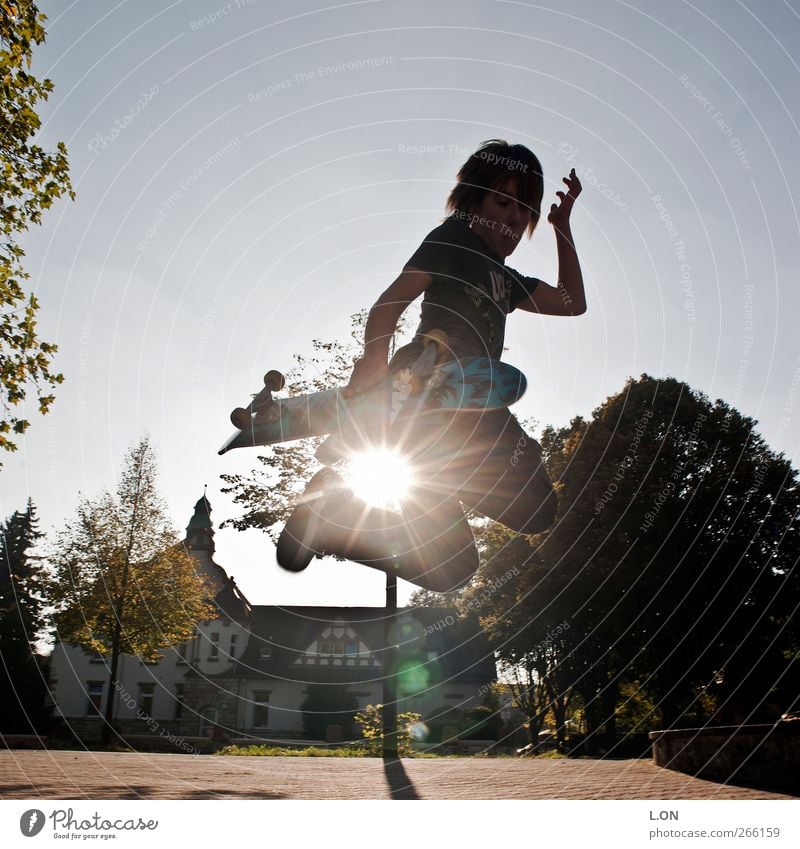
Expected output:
{"points": [[285, 751], [343, 752]]}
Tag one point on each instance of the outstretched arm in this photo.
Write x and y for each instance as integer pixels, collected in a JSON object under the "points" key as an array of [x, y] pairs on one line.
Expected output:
{"points": [[568, 297], [381, 325]]}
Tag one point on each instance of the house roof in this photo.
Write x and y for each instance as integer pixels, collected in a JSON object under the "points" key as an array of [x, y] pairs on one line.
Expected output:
{"points": [[433, 645], [230, 601]]}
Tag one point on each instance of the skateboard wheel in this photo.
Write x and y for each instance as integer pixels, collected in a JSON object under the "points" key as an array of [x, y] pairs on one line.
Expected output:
{"points": [[274, 380], [241, 418], [438, 338]]}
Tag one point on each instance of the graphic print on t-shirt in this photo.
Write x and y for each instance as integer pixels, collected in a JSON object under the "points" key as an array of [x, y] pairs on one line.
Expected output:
{"points": [[500, 286], [470, 294]]}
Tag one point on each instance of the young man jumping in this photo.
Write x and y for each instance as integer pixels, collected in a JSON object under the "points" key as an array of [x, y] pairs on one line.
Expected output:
{"points": [[485, 462]]}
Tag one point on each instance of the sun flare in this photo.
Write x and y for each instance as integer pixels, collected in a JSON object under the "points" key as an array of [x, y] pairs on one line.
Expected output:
{"points": [[381, 477]]}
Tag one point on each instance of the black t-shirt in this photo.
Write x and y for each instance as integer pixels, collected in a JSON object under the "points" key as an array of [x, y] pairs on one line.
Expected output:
{"points": [[470, 296]]}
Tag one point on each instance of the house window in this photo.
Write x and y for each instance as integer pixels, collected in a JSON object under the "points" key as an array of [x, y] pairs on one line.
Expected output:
{"points": [[335, 648], [96, 657], [146, 692], [261, 709], [351, 649], [213, 653], [325, 648], [195, 648], [182, 649], [266, 650], [232, 650], [94, 691], [178, 701]]}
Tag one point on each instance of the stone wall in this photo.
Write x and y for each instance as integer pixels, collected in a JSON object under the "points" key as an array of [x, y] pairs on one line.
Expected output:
{"points": [[765, 755], [88, 730]]}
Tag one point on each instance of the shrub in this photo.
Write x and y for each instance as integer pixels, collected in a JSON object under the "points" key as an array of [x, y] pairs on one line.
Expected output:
{"points": [[371, 724], [480, 723]]}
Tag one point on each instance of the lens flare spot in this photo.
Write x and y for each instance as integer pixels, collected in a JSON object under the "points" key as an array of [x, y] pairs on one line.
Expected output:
{"points": [[418, 731], [381, 477], [413, 677]]}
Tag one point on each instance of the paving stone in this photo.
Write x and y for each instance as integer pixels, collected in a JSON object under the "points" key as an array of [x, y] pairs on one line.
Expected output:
{"points": [[131, 775]]}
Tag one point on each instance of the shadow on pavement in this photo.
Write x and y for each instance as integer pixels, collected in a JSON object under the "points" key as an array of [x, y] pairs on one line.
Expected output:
{"points": [[231, 794], [43, 791], [400, 785]]}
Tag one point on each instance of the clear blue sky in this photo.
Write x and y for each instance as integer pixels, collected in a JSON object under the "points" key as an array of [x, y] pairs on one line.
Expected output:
{"points": [[249, 174]]}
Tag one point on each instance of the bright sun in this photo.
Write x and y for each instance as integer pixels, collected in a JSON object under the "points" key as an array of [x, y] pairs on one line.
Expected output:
{"points": [[380, 476]]}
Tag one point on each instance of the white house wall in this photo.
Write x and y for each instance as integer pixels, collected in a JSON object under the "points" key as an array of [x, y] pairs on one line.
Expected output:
{"points": [[73, 668]]}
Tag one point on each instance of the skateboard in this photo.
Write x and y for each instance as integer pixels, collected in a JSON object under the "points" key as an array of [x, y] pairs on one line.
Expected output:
{"points": [[431, 385]]}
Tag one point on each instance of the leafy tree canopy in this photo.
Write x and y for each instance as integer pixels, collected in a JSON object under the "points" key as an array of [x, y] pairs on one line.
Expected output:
{"points": [[673, 561], [121, 574], [31, 179], [123, 583], [21, 576], [22, 621]]}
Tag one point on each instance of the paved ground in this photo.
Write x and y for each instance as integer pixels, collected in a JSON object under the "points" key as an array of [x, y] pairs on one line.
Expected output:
{"points": [[108, 775]]}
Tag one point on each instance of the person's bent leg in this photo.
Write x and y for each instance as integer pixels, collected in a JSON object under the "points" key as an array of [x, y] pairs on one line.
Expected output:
{"points": [[496, 469], [523, 498], [298, 541], [429, 544], [442, 545]]}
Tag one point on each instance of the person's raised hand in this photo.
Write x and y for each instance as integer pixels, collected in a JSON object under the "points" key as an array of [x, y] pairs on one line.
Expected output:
{"points": [[367, 372], [561, 211]]}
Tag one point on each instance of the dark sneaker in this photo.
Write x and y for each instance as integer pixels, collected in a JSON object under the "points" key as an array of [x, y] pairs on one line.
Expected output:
{"points": [[301, 539]]}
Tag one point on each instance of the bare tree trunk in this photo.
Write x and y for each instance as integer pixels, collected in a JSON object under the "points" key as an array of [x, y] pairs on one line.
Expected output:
{"points": [[609, 698], [559, 704], [593, 716], [111, 699], [530, 695], [535, 723]]}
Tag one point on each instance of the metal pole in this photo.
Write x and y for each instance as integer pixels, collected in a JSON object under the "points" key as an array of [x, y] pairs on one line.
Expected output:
{"points": [[390, 669]]}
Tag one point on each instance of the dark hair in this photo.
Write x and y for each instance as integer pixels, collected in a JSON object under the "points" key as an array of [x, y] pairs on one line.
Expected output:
{"points": [[489, 168]]}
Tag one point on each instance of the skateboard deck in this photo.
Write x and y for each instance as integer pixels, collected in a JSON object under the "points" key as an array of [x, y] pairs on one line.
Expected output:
{"points": [[468, 385]]}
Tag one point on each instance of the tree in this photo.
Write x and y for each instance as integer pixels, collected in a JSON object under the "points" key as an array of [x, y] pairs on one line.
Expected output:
{"points": [[31, 179], [22, 621], [124, 583], [430, 598], [671, 569], [680, 530], [530, 647]]}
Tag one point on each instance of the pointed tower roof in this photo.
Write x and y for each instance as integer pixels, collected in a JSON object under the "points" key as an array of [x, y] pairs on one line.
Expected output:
{"points": [[200, 530], [229, 599]]}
